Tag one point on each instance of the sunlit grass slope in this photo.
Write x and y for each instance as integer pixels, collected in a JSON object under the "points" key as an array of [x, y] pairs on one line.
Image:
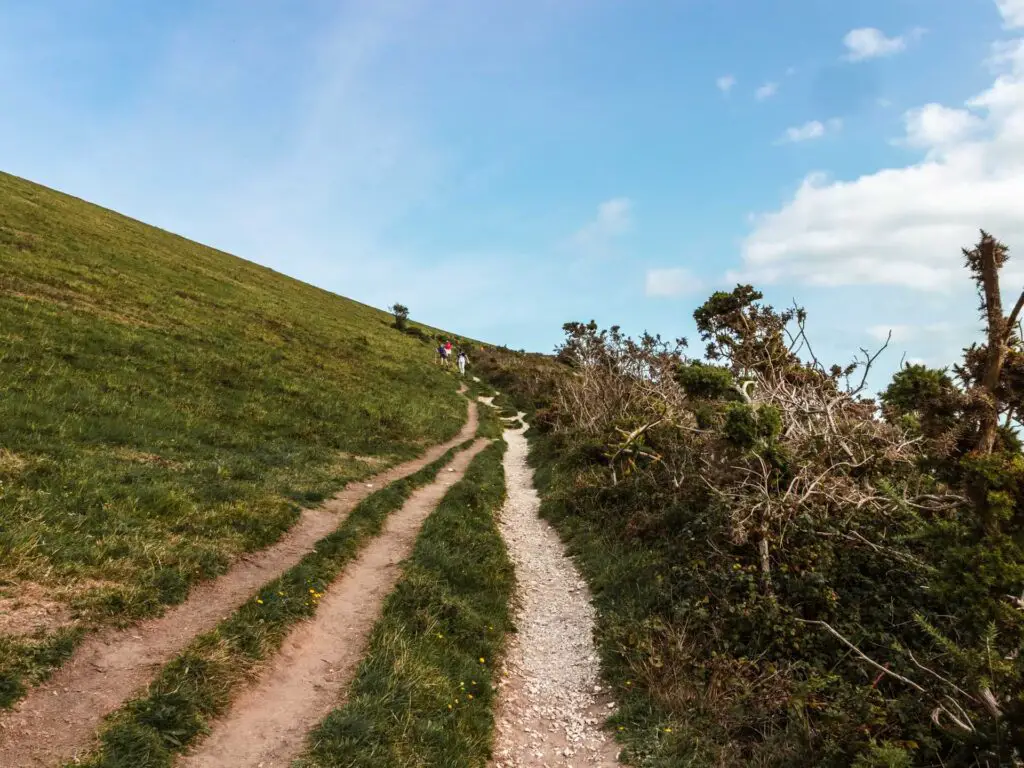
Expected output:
{"points": [[164, 407]]}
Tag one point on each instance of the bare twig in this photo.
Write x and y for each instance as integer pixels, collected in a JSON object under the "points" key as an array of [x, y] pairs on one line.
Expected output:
{"points": [[937, 676], [863, 655], [869, 360]]}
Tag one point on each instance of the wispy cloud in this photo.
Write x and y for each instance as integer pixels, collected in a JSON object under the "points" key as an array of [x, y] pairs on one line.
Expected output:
{"points": [[725, 83], [902, 332], [814, 129], [766, 91], [871, 43], [671, 282], [614, 218]]}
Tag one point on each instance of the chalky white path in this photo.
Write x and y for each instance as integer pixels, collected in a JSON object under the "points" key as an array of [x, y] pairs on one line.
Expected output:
{"points": [[550, 706]]}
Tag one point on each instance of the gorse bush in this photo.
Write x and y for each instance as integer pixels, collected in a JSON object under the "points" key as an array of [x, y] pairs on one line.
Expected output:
{"points": [[401, 313], [787, 572]]}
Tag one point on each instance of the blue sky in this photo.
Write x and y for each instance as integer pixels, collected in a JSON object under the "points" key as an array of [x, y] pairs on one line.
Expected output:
{"points": [[504, 167]]}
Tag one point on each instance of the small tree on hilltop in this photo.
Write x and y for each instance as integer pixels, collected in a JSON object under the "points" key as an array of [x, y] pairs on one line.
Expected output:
{"points": [[401, 313]]}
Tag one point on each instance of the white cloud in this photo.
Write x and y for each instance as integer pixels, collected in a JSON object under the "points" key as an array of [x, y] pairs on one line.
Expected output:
{"points": [[1012, 12], [934, 126], [614, 218], [814, 129], [725, 83], [674, 281], [870, 43], [905, 226], [766, 91]]}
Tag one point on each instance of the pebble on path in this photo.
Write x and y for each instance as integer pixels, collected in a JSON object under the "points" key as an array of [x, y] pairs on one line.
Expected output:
{"points": [[551, 707]]}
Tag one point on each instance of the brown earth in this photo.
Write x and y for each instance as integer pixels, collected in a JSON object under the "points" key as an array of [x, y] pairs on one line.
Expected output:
{"points": [[27, 608]]}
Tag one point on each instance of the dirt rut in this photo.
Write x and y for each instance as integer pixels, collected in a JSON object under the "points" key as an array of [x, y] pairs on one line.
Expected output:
{"points": [[57, 721], [267, 725]]}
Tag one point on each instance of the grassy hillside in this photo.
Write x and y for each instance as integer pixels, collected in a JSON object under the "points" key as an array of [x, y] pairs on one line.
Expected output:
{"points": [[164, 407]]}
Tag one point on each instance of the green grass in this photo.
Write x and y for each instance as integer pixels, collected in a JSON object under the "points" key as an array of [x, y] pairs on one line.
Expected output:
{"points": [[199, 683], [424, 695], [490, 424], [165, 407]]}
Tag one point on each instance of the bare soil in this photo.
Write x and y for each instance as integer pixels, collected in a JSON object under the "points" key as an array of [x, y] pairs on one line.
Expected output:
{"points": [[268, 724], [57, 721], [27, 608]]}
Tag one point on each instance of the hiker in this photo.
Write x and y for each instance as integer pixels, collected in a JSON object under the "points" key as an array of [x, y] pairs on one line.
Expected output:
{"points": [[447, 352], [462, 362], [440, 354]]}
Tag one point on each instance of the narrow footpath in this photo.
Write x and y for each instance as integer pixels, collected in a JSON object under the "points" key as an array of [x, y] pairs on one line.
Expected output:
{"points": [[58, 720], [550, 704]]}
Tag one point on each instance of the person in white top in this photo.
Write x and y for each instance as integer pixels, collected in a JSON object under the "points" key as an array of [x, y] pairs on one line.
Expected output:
{"points": [[462, 362]]}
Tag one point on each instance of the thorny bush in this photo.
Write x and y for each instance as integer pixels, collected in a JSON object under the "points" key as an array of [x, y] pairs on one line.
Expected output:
{"points": [[823, 580]]}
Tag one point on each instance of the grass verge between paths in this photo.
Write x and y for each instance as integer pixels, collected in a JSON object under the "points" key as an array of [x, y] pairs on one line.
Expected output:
{"points": [[424, 693], [199, 683]]}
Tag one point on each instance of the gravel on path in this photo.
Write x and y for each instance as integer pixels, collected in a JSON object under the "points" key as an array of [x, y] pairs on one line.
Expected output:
{"points": [[551, 704]]}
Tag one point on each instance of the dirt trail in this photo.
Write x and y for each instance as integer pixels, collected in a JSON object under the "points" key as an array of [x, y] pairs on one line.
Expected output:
{"points": [[550, 708], [58, 720], [268, 724]]}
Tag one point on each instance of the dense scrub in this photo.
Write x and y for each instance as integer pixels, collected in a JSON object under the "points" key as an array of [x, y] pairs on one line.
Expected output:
{"points": [[788, 573], [165, 407], [528, 381]]}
